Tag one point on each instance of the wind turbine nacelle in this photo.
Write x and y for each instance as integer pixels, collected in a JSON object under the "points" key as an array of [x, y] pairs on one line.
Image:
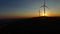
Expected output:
{"points": [[43, 6]]}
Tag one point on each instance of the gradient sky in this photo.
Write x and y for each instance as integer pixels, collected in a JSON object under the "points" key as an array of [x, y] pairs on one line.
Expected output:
{"points": [[28, 8]]}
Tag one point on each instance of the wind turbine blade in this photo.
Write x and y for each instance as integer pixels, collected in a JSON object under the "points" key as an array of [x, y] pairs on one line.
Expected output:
{"points": [[46, 6], [41, 6]]}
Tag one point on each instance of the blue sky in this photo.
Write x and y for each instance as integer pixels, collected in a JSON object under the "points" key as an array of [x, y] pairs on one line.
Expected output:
{"points": [[22, 7]]}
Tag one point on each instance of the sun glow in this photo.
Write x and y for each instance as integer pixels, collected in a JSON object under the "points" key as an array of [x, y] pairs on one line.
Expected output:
{"points": [[45, 14]]}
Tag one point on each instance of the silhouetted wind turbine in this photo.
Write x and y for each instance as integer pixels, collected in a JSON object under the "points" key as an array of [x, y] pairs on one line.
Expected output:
{"points": [[44, 6]]}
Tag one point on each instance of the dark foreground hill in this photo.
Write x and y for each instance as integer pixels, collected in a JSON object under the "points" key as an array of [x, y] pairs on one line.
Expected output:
{"points": [[37, 24]]}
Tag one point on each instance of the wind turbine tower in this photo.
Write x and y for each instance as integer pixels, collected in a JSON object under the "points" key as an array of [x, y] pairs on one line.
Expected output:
{"points": [[44, 7]]}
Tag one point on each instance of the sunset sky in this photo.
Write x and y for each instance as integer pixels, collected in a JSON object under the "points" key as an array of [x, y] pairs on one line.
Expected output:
{"points": [[28, 8]]}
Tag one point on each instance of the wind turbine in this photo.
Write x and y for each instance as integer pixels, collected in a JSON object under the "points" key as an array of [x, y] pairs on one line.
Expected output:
{"points": [[44, 7]]}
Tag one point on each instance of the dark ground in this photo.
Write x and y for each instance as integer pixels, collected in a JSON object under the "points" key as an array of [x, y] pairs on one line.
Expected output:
{"points": [[37, 24]]}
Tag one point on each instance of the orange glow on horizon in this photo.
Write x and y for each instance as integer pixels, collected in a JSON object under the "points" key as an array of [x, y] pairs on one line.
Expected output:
{"points": [[48, 14]]}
